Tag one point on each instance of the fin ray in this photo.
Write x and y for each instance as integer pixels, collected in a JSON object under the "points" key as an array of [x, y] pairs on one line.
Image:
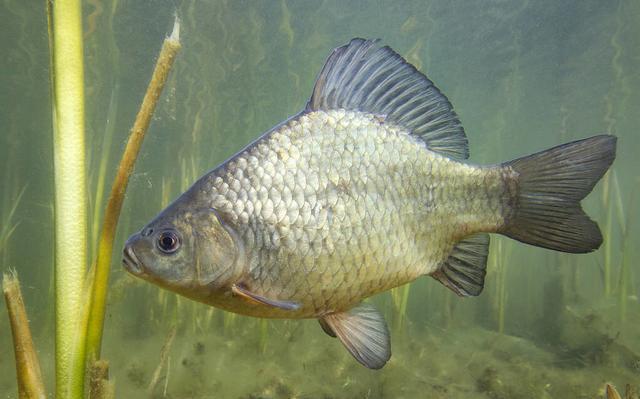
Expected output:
{"points": [[241, 290], [362, 76], [363, 331], [549, 186], [464, 271], [326, 328]]}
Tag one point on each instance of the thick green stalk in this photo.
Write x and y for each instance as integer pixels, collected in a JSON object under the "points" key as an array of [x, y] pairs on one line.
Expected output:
{"points": [[100, 277], [70, 195]]}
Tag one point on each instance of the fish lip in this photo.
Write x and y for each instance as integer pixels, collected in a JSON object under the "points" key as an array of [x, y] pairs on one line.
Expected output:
{"points": [[131, 262]]}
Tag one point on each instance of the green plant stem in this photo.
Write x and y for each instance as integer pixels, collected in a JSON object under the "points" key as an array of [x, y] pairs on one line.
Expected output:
{"points": [[608, 289], [264, 335], [100, 277], [65, 18], [102, 169]]}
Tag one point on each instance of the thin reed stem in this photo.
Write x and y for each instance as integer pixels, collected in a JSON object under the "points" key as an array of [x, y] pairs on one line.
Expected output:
{"points": [[164, 359], [100, 278], [102, 169], [606, 200], [264, 335]]}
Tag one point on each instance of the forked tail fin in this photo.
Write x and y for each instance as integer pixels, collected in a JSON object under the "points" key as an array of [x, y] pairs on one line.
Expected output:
{"points": [[549, 185]]}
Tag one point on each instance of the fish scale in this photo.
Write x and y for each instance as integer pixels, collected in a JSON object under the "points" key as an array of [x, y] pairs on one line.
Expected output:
{"points": [[366, 189], [352, 185]]}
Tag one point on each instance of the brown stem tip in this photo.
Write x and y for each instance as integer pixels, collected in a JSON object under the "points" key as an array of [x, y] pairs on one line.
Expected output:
{"points": [[27, 366]]}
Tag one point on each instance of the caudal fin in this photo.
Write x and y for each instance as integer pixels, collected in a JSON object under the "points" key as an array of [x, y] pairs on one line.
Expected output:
{"points": [[549, 186]]}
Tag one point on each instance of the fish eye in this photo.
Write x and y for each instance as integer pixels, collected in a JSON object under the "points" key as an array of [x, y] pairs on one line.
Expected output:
{"points": [[168, 242]]}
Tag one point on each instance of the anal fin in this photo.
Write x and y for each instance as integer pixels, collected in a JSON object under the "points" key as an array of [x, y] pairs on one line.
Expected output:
{"points": [[240, 290], [463, 272], [363, 331]]}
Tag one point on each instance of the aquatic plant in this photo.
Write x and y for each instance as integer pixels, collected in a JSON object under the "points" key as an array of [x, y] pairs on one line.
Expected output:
{"points": [[100, 278], [615, 102], [228, 322], [499, 261], [613, 203], [163, 363], [264, 334], [67, 75], [79, 322], [99, 385], [30, 383], [612, 393], [100, 184], [608, 228], [625, 275]]}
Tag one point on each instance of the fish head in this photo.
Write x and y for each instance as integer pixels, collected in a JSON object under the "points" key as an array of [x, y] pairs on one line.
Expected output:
{"points": [[188, 250]]}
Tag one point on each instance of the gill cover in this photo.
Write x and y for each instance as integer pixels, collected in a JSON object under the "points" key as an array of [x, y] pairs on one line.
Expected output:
{"points": [[219, 253]]}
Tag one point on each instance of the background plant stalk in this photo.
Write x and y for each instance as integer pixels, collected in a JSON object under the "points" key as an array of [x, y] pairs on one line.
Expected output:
{"points": [[100, 276]]}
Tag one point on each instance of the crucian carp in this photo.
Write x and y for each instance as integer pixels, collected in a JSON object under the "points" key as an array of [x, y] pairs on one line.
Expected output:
{"points": [[366, 189]]}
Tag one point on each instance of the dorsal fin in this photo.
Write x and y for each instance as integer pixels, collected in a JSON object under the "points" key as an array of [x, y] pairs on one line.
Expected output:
{"points": [[362, 76], [463, 272]]}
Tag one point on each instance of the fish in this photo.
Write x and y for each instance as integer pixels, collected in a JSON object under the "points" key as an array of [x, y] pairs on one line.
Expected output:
{"points": [[368, 188]]}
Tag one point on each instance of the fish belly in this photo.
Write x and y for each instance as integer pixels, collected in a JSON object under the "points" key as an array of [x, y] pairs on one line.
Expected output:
{"points": [[336, 206]]}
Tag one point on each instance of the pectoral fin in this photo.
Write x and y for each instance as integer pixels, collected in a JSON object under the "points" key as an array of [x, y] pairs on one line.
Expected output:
{"points": [[240, 290], [364, 333]]}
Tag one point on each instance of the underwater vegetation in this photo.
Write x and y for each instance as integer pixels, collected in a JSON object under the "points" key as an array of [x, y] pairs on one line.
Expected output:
{"points": [[523, 76], [79, 308]]}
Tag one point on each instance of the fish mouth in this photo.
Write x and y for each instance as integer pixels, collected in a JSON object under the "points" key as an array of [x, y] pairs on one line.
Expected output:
{"points": [[131, 262]]}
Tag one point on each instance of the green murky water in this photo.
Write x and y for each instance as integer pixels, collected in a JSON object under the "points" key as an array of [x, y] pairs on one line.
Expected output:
{"points": [[522, 76]]}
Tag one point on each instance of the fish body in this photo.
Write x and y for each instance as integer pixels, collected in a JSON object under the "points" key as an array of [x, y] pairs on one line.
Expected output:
{"points": [[333, 207], [368, 188]]}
